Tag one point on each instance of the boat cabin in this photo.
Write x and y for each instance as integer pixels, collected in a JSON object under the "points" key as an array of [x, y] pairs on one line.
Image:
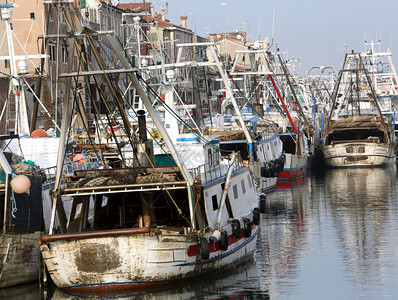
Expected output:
{"points": [[356, 129]]}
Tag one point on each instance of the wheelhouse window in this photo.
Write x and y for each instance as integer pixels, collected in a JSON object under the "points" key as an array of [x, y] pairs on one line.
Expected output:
{"points": [[249, 180], [235, 189], [51, 50], [214, 202], [243, 186], [64, 55]]}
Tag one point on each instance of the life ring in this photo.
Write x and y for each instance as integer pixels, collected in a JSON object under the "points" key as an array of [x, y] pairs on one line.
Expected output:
{"points": [[247, 227], [236, 230], [256, 216], [224, 240], [262, 201], [204, 249]]}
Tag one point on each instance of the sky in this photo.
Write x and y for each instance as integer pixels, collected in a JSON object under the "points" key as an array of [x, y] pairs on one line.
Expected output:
{"points": [[316, 32]]}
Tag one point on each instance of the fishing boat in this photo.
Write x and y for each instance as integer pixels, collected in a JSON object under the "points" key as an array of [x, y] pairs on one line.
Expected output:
{"points": [[239, 128], [148, 226], [357, 134], [242, 129], [295, 150], [294, 138]]}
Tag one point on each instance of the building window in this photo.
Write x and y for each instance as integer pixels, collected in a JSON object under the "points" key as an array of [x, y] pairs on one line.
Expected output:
{"points": [[243, 186], [51, 48], [235, 189], [214, 202]]}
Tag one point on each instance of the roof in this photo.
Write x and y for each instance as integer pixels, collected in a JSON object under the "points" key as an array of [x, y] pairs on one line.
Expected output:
{"points": [[135, 7], [163, 23]]}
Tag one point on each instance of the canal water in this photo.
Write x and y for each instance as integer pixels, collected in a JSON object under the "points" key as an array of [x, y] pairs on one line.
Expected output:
{"points": [[332, 235]]}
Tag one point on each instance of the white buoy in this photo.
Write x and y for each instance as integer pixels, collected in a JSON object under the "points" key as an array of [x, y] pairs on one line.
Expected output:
{"points": [[20, 184], [215, 236]]}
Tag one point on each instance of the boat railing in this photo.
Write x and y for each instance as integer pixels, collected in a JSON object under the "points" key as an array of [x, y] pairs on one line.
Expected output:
{"points": [[216, 169], [368, 140], [87, 163]]}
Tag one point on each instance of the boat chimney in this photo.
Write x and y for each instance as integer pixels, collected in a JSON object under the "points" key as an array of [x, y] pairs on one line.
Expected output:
{"points": [[142, 125], [152, 10], [184, 21]]}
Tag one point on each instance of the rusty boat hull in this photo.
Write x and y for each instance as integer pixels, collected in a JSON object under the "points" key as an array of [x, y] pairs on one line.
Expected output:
{"points": [[19, 255], [98, 265]]}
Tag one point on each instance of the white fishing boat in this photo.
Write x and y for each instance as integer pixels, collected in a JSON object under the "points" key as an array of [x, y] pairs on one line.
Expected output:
{"points": [[147, 226], [241, 127], [357, 135]]}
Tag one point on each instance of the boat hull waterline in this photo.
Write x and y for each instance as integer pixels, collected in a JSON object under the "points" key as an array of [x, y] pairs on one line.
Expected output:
{"points": [[295, 167]]}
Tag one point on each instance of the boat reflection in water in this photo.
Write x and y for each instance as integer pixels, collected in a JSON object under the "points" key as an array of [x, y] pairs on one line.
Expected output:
{"points": [[363, 211], [292, 183], [332, 237], [283, 236], [231, 285], [28, 291]]}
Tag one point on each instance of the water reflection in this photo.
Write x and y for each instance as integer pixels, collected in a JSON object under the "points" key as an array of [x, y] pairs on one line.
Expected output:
{"points": [[334, 236], [283, 237], [24, 292], [331, 236], [363, 211]]}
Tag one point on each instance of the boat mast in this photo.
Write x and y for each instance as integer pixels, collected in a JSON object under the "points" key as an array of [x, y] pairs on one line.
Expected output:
{"points": [[7, 170], [383, 124], [21, 116], [233, 100], [294, 93], [334, 97], [159, 125]]}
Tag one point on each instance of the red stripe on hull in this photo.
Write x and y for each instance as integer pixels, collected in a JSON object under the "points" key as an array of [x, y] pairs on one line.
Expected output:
{"points": [[289, 175], [214, 247]]}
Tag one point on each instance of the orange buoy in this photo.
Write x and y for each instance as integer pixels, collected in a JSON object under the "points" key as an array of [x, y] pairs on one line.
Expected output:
{"points": [[38, 133], [20, 184], [78, 158]]}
